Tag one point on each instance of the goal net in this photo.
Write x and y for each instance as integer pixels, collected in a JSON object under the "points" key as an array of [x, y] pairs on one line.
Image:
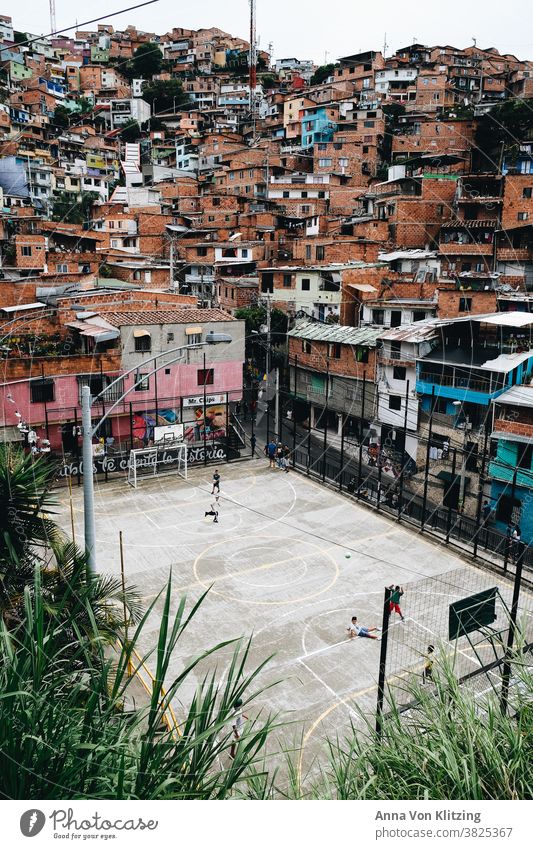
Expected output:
{"points": [[157, 460]]}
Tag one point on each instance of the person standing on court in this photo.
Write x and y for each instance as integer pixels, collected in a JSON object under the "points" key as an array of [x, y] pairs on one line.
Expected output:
{"points": [[272, 448], [216, 483], [253, 442], [237, 725], [394, 601]]}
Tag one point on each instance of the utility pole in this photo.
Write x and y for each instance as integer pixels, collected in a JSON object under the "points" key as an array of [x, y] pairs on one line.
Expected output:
{"points": [[88, 482], [172, 284]]}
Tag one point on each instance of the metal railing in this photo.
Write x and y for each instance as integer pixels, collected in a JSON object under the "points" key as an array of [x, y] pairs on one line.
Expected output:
{"points": [[381, 493]]}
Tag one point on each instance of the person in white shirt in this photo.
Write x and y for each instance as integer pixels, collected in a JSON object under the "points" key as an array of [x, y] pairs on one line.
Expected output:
{"points": [[356, 630], [237, 725]]}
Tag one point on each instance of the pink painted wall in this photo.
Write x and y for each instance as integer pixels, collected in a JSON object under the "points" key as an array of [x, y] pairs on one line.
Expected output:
{"points": [[181, 382]]}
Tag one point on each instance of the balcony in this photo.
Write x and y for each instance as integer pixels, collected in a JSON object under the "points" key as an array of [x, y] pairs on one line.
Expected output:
{"points": [[505, 472], [466, 248]]}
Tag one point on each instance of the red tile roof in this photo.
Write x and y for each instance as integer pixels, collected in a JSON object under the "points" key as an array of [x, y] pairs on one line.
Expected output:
{"points": [[169, 316]]}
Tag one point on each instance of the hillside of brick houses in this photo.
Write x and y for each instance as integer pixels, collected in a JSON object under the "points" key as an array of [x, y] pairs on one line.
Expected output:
{"points": [[386, 198]]}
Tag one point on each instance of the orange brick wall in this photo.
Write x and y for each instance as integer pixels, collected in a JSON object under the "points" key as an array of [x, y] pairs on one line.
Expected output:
{"points": [[514, 202], [346, 365]]}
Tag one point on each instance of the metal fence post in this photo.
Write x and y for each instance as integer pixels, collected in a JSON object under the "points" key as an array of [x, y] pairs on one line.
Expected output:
{"points": [[506, 671]]}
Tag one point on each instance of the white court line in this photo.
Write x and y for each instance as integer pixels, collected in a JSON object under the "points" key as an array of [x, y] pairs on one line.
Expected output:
{"points": [[318, 651], [340, 699]]}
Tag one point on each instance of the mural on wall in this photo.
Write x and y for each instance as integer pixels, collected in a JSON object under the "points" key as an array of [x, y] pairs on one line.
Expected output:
{"points": [[214, 426]]}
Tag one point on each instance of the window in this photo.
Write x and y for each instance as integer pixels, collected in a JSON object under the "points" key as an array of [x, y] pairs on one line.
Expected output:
{"points": [[320, 252], [205, 377], [304, 194], [399, 372], [143, 382], [343, 162], [369, 124], [143, 343], [308, 251], [306, 346], [286, 194], [508, 509], [216, 201], [395, 318], [440, 209], [201, 251], [361, 355], [42, 391], [170, 337], [465, 304], [321, 195], [527, 192], [26, 250], [378, 316], [244, 252], [523, 216], [419, 315], [395, 402], [325, 162], [525, 455], [306, 284], [62, 268], [196, 338], [334, 350], [287, 280]]}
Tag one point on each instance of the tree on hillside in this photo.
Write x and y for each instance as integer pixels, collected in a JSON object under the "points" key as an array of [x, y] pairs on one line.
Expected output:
{"points": [[131, 132], [72, 208], [322, 73], [501, 131], [165, 94], [61, 116], [147, 61]]}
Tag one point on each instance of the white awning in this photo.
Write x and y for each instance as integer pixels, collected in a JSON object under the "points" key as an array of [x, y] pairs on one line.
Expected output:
{"points": [[506, 319], [138, 334], [362, 287]]}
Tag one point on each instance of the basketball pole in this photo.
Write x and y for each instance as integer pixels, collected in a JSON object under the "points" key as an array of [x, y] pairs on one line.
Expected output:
{"points": [[383, 662]]}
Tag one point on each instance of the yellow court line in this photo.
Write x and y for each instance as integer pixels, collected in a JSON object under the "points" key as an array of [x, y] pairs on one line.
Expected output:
{"points": [[273, 563]]}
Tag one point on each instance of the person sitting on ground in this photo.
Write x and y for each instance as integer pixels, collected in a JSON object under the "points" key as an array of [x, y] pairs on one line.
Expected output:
{"points": [[356, 630]]}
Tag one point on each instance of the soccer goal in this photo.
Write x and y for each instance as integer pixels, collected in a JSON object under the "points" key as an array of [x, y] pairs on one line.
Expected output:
{"points": [[154, 461]]}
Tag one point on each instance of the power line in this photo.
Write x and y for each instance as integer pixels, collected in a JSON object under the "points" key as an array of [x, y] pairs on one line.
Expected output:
{"points": [[85, 23]]}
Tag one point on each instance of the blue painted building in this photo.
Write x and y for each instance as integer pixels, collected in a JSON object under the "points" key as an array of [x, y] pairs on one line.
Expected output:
{"points": [[511, 466], [480, 363], [478, 359], [318, 125]]}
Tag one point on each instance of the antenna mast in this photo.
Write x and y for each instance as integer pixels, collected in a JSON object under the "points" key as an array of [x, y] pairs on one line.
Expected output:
{"points": [[252, 63], [53, 26]]}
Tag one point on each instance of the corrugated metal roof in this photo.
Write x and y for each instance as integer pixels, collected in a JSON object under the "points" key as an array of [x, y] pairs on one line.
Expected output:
{"points": [[517, 396], [336, 333], [419, 331]]}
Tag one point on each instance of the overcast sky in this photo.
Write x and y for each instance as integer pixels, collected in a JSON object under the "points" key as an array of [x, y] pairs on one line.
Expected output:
{"points": [[309, 29]]}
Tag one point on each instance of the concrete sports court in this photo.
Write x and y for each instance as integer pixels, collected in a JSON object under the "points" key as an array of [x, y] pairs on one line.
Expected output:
{"points": [[290, 562]]}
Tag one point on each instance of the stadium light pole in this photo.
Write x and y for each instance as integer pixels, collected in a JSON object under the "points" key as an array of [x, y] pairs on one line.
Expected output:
{"points": [[89, 431]]}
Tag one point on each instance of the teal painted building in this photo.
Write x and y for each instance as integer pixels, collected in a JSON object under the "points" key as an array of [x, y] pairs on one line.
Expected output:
{"points": [[511, 466]]}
